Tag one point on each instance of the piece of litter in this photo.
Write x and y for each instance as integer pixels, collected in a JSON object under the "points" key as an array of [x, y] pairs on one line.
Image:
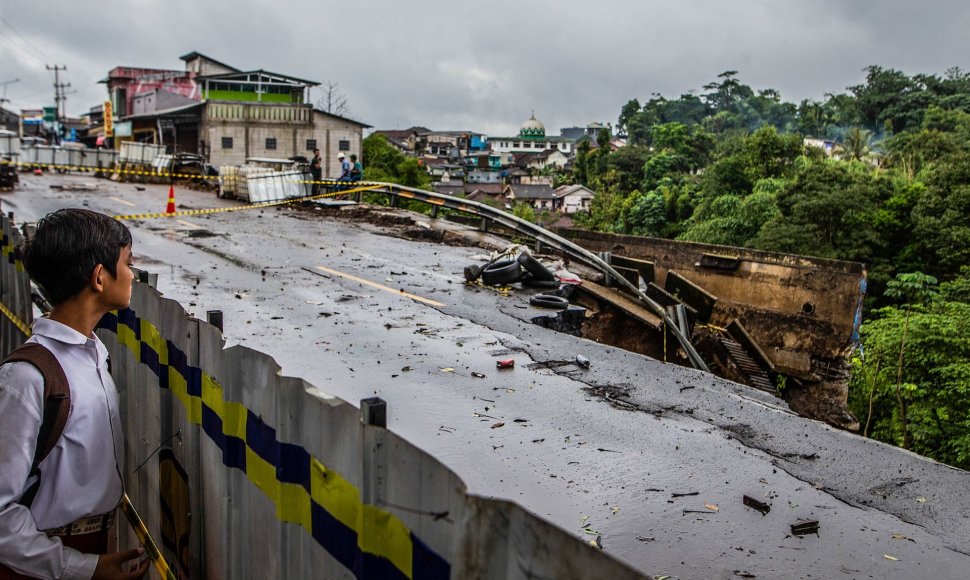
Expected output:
{"points": [[478, 375], [615, 510], [921, 499], [712, 507], [583, 520], [447, 370], [890, 557], [804, 527], [497, 425]]}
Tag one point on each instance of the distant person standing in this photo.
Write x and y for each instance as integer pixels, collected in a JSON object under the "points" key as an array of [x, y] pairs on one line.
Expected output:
{"points": [[316, 171], [357, 170], [344, 167], [344, 170]]}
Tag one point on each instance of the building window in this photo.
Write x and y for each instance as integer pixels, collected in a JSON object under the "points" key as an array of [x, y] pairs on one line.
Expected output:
{"points": [[311, 144], [271, 143], [344, 145], [227, 142]]}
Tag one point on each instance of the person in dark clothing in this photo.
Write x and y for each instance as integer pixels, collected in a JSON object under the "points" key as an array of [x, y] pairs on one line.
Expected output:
{"points": [[316, 171], [356, 169]]}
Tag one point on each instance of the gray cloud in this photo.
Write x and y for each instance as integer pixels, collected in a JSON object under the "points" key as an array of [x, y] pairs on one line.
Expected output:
{"points": [[485, 66]]}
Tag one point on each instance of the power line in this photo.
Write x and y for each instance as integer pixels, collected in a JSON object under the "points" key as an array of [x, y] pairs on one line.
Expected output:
{"points": [[29, 43]]}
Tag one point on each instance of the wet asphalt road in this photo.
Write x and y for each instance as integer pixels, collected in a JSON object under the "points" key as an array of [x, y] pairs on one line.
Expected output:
{"points": [[660, 475]]}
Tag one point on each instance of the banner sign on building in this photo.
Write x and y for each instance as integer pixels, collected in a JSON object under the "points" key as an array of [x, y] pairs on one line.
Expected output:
{"points": [[109, 125]]}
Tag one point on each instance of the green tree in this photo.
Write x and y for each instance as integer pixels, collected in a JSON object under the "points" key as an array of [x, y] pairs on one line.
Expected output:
{"points": [[830, 210], [386, 163], [910, 288], [856, 145], [647, 214], [934, 385]]}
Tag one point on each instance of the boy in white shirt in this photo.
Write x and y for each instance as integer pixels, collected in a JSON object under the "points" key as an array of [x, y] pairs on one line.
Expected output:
{"points": [[54, 519]]}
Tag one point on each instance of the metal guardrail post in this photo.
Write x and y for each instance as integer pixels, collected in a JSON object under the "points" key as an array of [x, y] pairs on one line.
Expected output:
{"points": [[373, 454], [215, 318]]}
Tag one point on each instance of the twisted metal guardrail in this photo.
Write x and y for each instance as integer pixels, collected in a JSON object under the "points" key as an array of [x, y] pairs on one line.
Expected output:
{"points": [[548, 238]]}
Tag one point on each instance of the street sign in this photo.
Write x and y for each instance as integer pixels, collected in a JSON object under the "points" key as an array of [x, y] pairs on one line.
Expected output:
{"points": [[109, 125], [50, 114]]}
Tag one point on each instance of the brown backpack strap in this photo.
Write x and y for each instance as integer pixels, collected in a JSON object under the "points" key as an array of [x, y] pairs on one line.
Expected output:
{"points": [[57, 404]]}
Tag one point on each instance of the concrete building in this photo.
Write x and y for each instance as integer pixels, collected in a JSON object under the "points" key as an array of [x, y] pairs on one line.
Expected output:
{"points": [[573, 198], [591, 131], [228, 115], [531, 139], [540, 197]]}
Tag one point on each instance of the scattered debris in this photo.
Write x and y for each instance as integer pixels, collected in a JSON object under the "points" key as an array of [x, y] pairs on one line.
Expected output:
{"points": [[712, 507], [804, 527], [682, 389], [447, 370], [756, 504], [520, 420], [645, 539], [743, 574], [902, 537], [688, 494], [890, 557], [446, 429], [608, 450], [597, 543], [497, 425], [405, 369], [921, 499], [505, 364], [582, 361], [478, 375], [615, 509]]}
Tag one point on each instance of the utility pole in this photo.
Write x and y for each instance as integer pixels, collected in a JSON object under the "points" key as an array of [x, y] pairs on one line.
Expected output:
{"points": [[58, 89], [4, 84]]}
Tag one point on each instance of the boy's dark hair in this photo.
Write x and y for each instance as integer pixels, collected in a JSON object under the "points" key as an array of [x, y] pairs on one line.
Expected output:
{"points": [[67, 245]]}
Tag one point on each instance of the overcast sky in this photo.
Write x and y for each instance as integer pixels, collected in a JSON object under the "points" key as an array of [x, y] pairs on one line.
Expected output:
{"points": [[484, 66]]}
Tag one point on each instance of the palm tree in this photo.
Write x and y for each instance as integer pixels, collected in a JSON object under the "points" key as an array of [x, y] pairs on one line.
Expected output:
{"points": [[856, 144]]}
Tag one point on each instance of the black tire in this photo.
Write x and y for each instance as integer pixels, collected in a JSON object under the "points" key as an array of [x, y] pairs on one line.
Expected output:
{"points": [[535, 267], [533, 283], [549, 301], [504, 272]]}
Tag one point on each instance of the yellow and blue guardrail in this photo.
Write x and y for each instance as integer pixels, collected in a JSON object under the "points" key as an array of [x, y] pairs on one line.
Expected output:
{"points": [[369, 541]]}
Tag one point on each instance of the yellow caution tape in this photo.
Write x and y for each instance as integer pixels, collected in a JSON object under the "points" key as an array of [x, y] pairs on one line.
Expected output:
{"points": [[146, 540], [191, 212], [152, 173], [20, 324]]}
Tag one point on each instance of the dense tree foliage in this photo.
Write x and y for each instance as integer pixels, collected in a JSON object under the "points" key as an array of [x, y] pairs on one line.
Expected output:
{"points": [[879, 174]]}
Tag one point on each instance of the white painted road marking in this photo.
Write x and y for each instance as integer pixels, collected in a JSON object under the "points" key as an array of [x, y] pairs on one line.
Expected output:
{"points": [[380, 286]]}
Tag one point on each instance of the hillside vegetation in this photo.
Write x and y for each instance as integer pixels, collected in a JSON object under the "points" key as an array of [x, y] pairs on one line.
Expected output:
{"points": [[732, 166]]}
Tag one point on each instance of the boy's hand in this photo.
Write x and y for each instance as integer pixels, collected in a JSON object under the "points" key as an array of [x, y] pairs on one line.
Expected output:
{"points": [[110, 566]]}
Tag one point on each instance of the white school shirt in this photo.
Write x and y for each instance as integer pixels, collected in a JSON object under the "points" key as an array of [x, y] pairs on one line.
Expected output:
{"points": [[80, 477]]}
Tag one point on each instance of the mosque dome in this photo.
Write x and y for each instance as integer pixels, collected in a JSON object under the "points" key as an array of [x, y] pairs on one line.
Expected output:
{"points": [[532, 129]]}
